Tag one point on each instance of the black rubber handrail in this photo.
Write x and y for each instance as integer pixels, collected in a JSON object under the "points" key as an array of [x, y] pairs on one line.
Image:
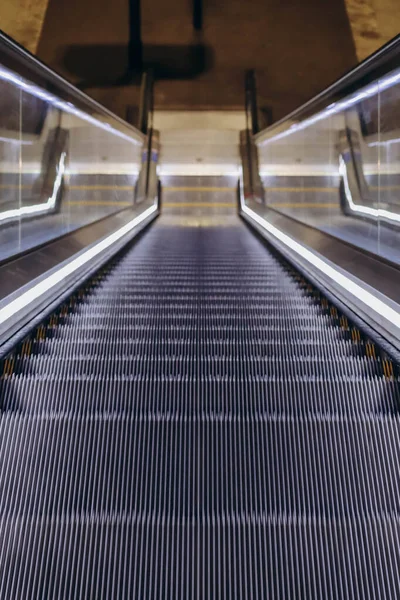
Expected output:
{"points": [[20, 61], [378, 64]]}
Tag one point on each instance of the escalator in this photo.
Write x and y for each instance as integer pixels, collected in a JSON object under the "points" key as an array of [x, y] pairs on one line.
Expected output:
{"points": [[198, 421], [205, 405]]}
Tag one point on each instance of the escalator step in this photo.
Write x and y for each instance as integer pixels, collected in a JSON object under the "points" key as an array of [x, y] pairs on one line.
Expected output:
{"points": [[197, 422]]}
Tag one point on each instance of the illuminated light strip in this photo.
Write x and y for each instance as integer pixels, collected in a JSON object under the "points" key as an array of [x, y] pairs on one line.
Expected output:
{"points": [[44, 207], [207, 169], [364, 210], [67, 107], [15, 306], [328, 170], [77, 169], [297, 170], [338, 107], [96, 169], [387, 143], [368, 299], [15, 141], [34, 209]]}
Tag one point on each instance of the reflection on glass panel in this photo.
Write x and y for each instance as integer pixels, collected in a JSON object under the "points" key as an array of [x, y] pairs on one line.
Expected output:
{"points": [[43, 166], [386, 138], [103, 170], [62, 168], [305, 173], [338, 169], [10, 154]]}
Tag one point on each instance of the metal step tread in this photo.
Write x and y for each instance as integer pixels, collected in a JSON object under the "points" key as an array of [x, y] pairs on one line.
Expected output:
{"points": [[198, 422]]}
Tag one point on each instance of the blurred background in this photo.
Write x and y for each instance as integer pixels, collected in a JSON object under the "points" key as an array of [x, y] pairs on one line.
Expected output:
{"points": [[296, 47]]}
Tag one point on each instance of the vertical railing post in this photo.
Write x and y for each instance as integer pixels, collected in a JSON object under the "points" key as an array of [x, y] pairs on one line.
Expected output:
{"points": [[148, 185], [198, 15], [135, 46], [251, 102], [252, 185]]}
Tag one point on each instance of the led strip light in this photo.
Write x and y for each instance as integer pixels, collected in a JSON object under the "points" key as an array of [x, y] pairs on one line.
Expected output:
{"points": [[338, 107], [44, 207], [359, 208], [67, 107], [368, 299], [18, 142], [385, 143], [38, 290]]}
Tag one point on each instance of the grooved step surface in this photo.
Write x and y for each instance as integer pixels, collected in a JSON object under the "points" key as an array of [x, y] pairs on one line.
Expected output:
{"points": [[200, 423]]}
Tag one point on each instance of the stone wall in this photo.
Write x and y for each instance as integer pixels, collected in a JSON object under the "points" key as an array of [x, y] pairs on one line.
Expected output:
{"points": [[23, 20], [373, 23]]}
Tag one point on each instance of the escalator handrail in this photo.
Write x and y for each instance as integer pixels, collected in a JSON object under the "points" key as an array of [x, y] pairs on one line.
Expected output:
{"points": [[21, 62], [368, 71]]}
